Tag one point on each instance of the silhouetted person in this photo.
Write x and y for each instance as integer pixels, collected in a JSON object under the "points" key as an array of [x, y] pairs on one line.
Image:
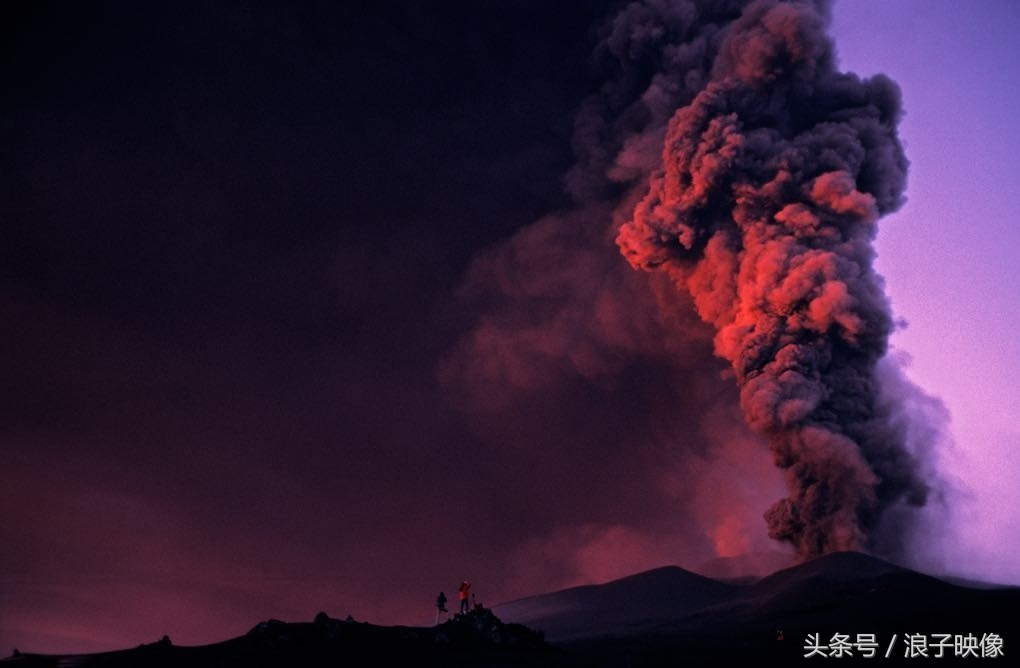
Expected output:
{"points": [[464, 595], [440, 605]]}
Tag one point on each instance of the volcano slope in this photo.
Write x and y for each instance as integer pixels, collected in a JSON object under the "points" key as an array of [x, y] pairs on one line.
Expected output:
{"points": [[669, 615]]}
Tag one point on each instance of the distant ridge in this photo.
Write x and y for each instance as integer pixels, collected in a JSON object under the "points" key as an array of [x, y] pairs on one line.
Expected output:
{"points": [[844, 590], [666, 593], [745, 567]]}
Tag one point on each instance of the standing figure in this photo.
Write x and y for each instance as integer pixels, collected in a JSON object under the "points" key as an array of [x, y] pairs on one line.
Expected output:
{"points": [[440, 605], [464, 594]]}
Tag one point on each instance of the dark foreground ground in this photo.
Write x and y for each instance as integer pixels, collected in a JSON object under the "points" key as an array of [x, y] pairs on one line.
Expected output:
{"points": [[666, 617]]}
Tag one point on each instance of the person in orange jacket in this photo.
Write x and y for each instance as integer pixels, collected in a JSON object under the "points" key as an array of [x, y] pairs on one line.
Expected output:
{"points": [[464, 594]]}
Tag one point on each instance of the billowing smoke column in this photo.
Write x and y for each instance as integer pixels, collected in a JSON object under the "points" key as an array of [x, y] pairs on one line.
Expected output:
{"points": [[772, 179]]}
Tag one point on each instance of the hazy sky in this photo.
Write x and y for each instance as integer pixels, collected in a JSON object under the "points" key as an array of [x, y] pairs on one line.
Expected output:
{"points": [[300, 316]]}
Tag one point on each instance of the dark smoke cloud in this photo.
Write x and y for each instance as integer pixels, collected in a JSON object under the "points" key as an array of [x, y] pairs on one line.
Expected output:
{"points": [[731, 155], [772, 178], [728, 153], [655, 55]]}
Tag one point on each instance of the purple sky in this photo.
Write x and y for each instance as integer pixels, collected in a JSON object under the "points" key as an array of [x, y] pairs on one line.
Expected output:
{"points": [[949, 255], [301, 318]]}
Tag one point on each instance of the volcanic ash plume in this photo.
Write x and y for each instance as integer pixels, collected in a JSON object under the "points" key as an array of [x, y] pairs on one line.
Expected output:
{"points": [[764, 209]]}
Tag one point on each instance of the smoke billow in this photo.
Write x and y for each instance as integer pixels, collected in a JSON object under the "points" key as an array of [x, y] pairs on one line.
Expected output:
{"points": [[764, 207]]}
